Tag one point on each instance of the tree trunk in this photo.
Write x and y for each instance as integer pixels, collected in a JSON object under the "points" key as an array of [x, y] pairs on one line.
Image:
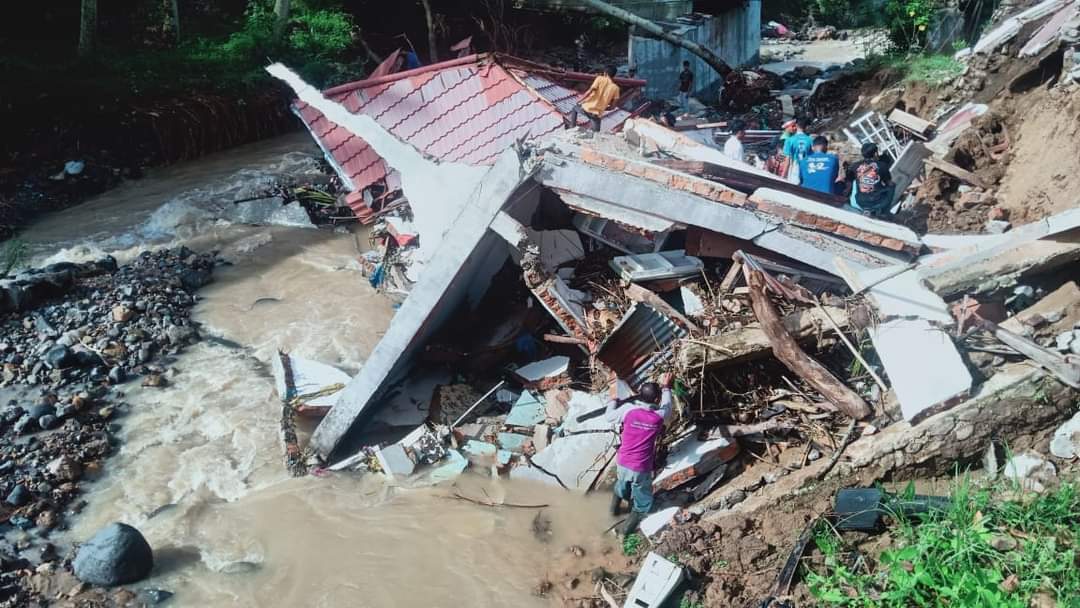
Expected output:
{"points": [[788, 352], [88, 28], [172, 20], [281, 18], [706, 55], [433, 44]]}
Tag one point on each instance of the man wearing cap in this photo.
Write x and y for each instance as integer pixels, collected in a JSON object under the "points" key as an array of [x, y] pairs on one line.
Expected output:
{"points": [[640, 422]]}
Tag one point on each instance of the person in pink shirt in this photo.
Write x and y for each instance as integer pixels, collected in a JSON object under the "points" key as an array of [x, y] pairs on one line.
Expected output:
{"points": [[640, 421]]}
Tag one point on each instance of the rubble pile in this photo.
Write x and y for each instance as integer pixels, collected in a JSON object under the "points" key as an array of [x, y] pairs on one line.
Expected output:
{"points": [[803, 337], [71, 334]]}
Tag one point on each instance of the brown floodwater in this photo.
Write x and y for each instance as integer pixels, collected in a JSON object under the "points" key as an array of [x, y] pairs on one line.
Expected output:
{"points": [[200, 469]]}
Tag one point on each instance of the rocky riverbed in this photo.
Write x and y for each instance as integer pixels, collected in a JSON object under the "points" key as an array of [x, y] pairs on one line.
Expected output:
{"points": [[71, 335]]}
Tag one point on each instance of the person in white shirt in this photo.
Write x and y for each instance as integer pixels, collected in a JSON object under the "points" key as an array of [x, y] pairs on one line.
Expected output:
{"points": [[733, 148]]}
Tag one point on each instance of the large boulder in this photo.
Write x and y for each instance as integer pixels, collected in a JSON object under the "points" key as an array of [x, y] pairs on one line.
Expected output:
{"points": [[118, 554]]}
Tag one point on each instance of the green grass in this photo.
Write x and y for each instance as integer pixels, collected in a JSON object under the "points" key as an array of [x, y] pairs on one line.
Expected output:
{"points": [[932, 69], [632, 543], [949, 560]]}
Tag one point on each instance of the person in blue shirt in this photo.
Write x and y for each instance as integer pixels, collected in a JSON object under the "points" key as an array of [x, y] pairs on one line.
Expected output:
{"points": [[819, 170], [797, 147]]}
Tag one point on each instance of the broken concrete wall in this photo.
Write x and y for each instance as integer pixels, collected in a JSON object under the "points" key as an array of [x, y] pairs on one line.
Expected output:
{"points": [[449, 279], [733, 33]]}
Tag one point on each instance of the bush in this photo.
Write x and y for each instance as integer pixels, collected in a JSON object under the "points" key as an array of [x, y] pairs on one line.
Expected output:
{"points": [[908, 22]]}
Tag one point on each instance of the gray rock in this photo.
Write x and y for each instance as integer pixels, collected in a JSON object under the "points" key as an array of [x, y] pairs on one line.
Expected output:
{"points": [[1066, 441], [117, 375], [178, 334], [59, 356], [155, 596], [40, 410], [117, 555], [48, 421], [18, 496], [21, 424], [1031, 471]]}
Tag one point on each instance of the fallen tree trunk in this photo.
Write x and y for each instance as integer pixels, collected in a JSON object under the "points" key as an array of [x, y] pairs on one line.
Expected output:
{"points": [[752, 342], [788, 352], [706, 55]]}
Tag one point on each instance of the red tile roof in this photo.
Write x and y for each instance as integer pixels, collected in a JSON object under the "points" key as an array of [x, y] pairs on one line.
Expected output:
{"points": [[466, 110]]}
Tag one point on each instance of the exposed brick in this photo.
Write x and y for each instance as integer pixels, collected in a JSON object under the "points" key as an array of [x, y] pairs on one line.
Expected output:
{"points": [[895, 245], [847, 231]]}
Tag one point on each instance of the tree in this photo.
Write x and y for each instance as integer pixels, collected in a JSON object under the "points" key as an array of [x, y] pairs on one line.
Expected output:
{"points": [[281, 18], [707, 55], [88, 28], [171, 23], [433, 44]]}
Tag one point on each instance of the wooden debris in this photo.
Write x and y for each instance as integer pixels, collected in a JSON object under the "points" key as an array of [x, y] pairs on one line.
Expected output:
{"points": [[639, 294], [752, 341], [919, 127], [788, 352], [732, 275], [960, 174]]}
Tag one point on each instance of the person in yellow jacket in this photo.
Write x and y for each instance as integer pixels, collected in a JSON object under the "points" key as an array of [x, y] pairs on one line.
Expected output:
{"points": [[597, 100]]}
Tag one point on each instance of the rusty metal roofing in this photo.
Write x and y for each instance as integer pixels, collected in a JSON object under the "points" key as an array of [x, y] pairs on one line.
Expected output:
{"points": [[638, 343], [466, 110]]}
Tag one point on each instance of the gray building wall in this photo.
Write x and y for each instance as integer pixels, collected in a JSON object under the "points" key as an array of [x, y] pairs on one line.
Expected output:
{"points": [[734, 35]]}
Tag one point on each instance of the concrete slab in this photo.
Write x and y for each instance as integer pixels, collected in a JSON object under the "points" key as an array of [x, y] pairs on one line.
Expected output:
{"points": [[527, 412], [1043, 244], [690, 457], [681, 146], [924, 367], [394, 461], [538, 371], [451, 275]]}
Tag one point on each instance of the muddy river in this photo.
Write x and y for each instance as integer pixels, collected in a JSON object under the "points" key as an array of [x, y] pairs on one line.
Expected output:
{"points": [[200, 469]]}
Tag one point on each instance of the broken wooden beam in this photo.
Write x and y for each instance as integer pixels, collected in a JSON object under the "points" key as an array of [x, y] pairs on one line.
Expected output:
{"points": [[638, 293], [787, 350], [732, 275], [751, 342], [960, 174], [555, 339], [1061, 366]]}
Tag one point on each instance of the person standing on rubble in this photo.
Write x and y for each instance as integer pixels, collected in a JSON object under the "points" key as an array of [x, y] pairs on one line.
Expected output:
{"points": [[733, 147], [819, 170], [686, 84], [640, 421], [601, 95], [871, 183], [798, 145]]}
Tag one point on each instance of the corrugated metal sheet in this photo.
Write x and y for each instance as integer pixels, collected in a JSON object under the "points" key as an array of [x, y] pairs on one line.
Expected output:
{"points": [[464, 111], [640, 341], [734, 34]]}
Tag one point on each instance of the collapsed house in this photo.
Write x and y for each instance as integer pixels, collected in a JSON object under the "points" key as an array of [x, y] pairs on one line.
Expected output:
{"points": [[559, 258]]}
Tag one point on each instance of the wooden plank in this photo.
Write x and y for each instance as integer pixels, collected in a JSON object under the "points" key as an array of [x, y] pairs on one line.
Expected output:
{"points": [[909, 122], [960, 174], [732, 275]]}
